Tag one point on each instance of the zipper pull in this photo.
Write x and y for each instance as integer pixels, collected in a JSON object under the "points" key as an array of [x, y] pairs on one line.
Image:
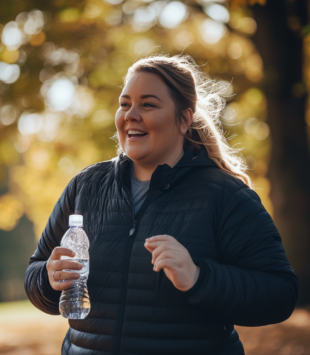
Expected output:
{"points": [[132, 230]]}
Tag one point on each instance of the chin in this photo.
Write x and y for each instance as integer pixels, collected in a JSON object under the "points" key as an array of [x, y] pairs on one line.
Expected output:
{"points": [[136, 153], [136, 157]]}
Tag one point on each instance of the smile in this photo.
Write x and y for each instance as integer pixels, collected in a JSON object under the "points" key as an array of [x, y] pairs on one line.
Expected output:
{"points": [[136, 137]]}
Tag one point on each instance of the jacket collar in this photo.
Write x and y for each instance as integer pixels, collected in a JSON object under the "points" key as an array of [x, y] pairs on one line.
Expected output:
{"points": [[164, 177], [194, 158]]}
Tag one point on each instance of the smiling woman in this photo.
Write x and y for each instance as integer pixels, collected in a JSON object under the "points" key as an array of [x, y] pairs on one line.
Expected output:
{"points": [[152, 113], [181, 248], [181, 108]]}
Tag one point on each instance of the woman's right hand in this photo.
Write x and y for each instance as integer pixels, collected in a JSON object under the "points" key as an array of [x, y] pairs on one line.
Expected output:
{"points": [[54, 263]]}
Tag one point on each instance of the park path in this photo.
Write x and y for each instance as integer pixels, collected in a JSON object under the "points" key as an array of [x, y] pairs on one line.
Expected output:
{"points": [[26, 331]]}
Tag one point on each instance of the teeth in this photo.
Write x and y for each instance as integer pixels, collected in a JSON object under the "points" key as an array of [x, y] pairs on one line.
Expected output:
{"points": [[135, 132]]}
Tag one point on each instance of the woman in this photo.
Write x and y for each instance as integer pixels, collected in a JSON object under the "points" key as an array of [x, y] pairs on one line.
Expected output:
{"points": [[181, 248]]}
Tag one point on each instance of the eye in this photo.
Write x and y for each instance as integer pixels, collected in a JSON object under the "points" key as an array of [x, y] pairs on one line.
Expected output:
{"points": [[147, 103], [124, 104]]}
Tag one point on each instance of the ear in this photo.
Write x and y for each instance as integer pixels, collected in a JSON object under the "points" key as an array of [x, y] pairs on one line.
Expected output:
{"points": [[186, 120]]}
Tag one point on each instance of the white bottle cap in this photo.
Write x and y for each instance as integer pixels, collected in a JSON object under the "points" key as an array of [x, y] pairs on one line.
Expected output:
{"points": [[76, 220]]}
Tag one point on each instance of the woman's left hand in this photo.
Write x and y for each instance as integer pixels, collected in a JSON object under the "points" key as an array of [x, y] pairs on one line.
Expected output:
{"points": [[171, 256]]}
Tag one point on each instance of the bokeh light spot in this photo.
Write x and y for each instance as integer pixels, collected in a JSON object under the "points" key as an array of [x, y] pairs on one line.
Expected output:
{"points": [[228, 116], [46, 73], [8, 114], [217, 12], [248, 25], [48, 131], [9, 73], [114, 2], [234, 50], [34, 23], [37, 39], [22, 143], [250, 124], [158, 6], [92, 10], [40, 159], [29, 123], [11, 35], [182, 39], [173, 14], [60, 94], [212, 31], [114, 18], [10, 56], [260, 130], [70, 14], [144, 18]]}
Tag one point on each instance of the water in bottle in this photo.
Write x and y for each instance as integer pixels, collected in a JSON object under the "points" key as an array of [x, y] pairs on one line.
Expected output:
{"points": [[74, 301]]}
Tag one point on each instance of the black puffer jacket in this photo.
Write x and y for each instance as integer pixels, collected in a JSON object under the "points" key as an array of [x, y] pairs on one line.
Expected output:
{"points": [[244, 279]]}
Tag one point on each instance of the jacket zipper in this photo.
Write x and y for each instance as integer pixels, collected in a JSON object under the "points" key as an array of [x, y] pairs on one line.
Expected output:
{"points": [[124, 293], [132, 231]]}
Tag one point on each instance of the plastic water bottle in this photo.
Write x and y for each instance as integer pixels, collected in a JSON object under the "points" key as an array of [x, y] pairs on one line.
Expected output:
{"points": [[74, 302]]}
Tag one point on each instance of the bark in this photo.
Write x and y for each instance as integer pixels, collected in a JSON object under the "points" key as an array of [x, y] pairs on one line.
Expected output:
{"points": [[281, 49]]}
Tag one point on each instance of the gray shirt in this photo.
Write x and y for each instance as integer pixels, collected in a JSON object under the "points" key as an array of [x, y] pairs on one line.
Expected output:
{"points": [[139, 190]]}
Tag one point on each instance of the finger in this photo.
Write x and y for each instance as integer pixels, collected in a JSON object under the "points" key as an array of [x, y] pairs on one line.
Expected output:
{"points": [[166, 254], [154, 244], [162, 248], [60, 286], [150, 246], [162, 237], [59, 251], [173, 255], [58, 265], [67, 264], [172, 250], [65, 275], [163, 263]]}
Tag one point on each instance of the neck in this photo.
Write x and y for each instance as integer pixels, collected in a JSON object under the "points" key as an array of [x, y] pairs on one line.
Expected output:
{"points": [[144, 172]]}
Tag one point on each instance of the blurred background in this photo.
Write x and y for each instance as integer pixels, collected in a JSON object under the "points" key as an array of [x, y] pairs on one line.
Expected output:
{"points": [[61, 69]]}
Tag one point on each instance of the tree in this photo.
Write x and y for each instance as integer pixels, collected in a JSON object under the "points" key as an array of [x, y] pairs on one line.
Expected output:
{"points": [[279, 39]]}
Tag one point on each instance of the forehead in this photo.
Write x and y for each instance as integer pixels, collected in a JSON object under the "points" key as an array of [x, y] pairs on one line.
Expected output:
{"points": [[141, 82]]}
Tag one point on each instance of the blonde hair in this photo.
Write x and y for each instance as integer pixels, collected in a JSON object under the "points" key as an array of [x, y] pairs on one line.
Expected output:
{"points": [[190, 89]]}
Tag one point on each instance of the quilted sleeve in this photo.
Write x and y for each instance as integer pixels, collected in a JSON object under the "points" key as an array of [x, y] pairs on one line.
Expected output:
{"points": [[253, 284], [36, 284]]}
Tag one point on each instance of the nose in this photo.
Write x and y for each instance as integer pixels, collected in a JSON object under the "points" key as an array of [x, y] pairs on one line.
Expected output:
{"points": [[132, 114]]}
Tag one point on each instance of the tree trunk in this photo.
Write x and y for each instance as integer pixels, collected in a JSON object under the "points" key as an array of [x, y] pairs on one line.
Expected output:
{"points": [[279, 42]]}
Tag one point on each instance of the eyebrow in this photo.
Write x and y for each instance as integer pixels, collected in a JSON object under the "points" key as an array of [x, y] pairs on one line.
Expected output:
{"points": [[142, 97]]}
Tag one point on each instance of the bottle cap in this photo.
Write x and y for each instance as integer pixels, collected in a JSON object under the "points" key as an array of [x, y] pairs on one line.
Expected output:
{"points": [[76, 220]]}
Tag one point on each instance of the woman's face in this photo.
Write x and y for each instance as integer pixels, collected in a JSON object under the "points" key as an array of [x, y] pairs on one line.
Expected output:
{"points": [[146, 106]]}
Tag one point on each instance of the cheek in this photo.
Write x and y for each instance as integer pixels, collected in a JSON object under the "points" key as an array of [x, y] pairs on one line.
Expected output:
{"points": [[163, 131], [161, 123], [167, 129], [119, 123], [118, 119]]}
